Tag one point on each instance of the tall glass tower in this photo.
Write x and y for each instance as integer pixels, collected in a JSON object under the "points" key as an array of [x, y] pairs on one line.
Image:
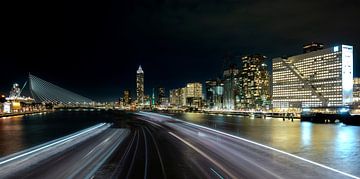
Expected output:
{"points": [[140, 86]]}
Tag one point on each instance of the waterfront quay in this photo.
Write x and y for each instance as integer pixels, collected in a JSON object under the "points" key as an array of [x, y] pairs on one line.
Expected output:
{"points": [[24, 113], [315, 116]]}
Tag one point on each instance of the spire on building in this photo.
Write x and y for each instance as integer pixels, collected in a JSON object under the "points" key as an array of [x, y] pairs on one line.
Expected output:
{"points": [[140, 70]]}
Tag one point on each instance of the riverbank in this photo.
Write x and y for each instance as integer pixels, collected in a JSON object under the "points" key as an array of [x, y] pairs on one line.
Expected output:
{"points": [[23, 113], [256, 114]]}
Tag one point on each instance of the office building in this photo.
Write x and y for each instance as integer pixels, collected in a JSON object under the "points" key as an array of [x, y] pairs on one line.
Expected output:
{"points": [[255, 88], [178, 97], [356, 90], [160, 95], [209, 93], [214, 94], [126, 98], [140, 86], [194, 95], [189, 96], [175, 97], [231, 87], [183, 96], [147, 101], [322, 78]]}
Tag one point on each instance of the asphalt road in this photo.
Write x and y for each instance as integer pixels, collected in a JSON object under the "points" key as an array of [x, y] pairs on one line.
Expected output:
{"points": [[150, 152], [163, 147]]}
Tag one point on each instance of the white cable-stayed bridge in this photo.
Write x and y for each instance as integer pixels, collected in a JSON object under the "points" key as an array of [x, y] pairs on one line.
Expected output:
{"points": [[45, 92]]}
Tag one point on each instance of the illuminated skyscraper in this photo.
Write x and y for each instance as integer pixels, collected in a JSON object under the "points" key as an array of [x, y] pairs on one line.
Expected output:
{"points": [[321, 78], [209, 86], [140, 86], [231, 87], [255, 87], [214, 94], [160, 95]]}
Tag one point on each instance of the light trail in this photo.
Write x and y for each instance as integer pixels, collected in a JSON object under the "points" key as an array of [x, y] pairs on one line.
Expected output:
{"points": [[97, 167], [158, 152], [146, 154], [216, 173], [54, 143], [257, 144], [204, 155]]}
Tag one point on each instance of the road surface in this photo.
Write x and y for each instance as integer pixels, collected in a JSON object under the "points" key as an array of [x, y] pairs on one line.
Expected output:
{"points": [[164, 147], [79, 155]]}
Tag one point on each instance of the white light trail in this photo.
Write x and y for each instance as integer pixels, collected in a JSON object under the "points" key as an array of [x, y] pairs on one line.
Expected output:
{"points": [[54, 143], [258, 144], [204, 155]]}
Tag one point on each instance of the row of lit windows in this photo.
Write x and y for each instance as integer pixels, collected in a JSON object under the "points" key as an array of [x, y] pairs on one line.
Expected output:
{"points": [[312, 98], [301, 93]]}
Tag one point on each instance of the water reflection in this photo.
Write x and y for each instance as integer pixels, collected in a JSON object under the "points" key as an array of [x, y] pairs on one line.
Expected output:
{"points": [[21, 132], [336, 145], [11, 134], [306, 134]]}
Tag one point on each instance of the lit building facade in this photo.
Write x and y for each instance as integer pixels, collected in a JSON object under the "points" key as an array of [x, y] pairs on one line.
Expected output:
{"points": [[147, 101], [193, 94], [214, 94], [160, 95], [183, 96], [209, 92], [231, 87], [356, 91], [175, 97], [126, 98], [322, 78], [140, 86], [255, 84], [178, 97]]}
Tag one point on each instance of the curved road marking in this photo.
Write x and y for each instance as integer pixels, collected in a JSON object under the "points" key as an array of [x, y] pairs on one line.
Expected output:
{"points": [[204, 155]]}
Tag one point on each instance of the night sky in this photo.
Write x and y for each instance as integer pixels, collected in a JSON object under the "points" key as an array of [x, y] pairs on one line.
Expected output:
{"points": [[95, 47]]}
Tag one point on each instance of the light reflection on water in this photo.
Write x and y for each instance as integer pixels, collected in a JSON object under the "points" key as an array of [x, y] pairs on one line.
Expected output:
{"points": [[11, 134], [335, 145]]}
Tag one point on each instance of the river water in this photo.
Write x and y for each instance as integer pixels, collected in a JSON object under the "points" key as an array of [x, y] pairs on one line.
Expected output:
{"points": [[334, 145], [21, 132]]}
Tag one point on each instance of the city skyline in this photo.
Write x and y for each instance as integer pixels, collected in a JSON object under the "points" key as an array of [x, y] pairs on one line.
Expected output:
{"points": [[148, 88]]}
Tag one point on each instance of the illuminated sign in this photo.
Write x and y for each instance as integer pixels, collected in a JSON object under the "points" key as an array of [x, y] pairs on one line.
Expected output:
{"points": [[16, 105], [336, 48], [7, 108], [347, 74]]}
